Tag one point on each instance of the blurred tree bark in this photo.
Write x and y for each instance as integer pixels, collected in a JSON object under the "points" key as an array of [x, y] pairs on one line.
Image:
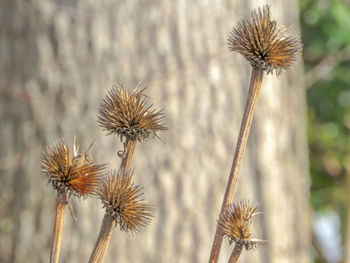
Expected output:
{"points": [[58, 58]]}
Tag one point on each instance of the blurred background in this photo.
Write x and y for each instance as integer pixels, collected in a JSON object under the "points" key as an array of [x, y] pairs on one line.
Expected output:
{"points": [[325, 29], [59, 57]]}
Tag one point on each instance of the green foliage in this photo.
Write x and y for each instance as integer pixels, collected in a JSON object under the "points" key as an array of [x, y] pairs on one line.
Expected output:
{"points": [[326, 31]]}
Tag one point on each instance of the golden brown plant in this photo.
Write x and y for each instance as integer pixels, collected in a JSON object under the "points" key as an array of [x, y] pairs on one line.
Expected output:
{"points": [[236, 223], [267, 49], [124, 207], [128, 115], [123, 202], [263, 44], [70, 173]]}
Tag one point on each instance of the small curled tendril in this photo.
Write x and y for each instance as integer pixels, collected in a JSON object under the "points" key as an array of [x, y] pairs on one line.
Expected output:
{"points": [[122, 153]]}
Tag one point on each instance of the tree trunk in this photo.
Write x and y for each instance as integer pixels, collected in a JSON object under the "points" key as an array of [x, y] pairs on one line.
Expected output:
{"points": [[58, 58]]}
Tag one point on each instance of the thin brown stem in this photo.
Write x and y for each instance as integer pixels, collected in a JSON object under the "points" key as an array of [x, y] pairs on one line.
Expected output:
{"points": [[61, 202], [129, 152], [100, 249], [253, 94], [236, 253]]}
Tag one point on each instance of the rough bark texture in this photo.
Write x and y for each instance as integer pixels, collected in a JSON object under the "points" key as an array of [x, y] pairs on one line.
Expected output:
{"points": [[58, 58]]}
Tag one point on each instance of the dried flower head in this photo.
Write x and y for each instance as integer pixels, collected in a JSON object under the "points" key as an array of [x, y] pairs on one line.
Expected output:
{"points": [[71, 173], [263, 44], [128, 114], [236, 224], [122, 200]]}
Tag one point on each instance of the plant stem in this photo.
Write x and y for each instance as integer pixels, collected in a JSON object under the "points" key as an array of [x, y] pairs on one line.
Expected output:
{"points": [[61, 202], [100, 249], [130, 149], [236, 253], [253, 94]]}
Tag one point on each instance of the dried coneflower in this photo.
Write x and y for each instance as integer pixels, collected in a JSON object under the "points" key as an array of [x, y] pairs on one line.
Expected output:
{"points": [[236, 223], [263, 44], [70, 173], [124, 208], [267, 48], [129, 115]]}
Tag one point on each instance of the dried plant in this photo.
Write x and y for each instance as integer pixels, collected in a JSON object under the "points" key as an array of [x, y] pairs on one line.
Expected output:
{"points": [[266, 47], [124, 208], [122, 201], [129, 115], [236, 223], [263, 44], [70, 173]]}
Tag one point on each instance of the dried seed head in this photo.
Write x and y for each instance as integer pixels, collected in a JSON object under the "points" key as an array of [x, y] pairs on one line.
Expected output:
{"points": [[128, 114], [263, 44], [236, 224], [122, 200], [71, 173]]}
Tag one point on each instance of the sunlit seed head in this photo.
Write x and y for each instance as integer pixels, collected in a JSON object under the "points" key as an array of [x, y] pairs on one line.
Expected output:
{"points": [[128, 114], [263, 44], [123, 201], [71, 172], [236, 224]]}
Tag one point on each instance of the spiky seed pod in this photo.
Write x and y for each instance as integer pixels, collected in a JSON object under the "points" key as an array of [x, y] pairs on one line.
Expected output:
{"points": [[71, 173], [236, 224], [263, 44], [122, 200], [128, 114]]}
